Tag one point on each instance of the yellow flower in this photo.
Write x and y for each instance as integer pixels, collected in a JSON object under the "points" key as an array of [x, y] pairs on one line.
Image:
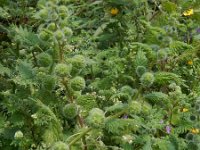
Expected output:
{"points": [[114, 11], [190, 62], [195, 131], [185, 110], [188, 12]]}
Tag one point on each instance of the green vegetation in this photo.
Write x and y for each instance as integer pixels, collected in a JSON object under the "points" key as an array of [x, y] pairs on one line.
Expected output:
{"points": [[99, 74]]}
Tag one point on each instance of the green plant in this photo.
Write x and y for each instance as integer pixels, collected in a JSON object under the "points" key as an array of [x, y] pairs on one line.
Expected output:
{"points": [[105, 75]]}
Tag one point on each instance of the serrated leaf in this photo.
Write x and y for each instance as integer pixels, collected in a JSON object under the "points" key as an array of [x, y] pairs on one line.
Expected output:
{"points": [[163, 78], [25, 70], [147, 145], [116, 107], [156, 97], [175, 119], [169, 6], [4, 70], [100, 29]]}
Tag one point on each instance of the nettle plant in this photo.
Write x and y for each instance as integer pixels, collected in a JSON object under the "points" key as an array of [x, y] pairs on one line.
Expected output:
{"points": [[107, 75]]}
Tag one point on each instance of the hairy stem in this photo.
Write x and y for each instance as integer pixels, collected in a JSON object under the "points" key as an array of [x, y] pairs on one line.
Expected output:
{"points": [[80, 119], [80, 136]]}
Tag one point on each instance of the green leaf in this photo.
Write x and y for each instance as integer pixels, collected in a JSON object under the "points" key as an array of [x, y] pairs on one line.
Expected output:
{"points": [[25, 69], [164, 144], [141, 59], [127, 146], [179, 46], [175, 119], [148, 144], [116, 107], [163, 78], [4, 70], [100, 29], [169, 6], [121, 126], [174, 140], [156, 97]]}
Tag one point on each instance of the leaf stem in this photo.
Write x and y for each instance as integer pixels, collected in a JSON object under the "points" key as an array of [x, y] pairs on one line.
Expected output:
{"points": [[80, 136]]}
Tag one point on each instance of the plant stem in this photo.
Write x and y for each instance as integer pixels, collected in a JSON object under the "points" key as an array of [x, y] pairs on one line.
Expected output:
{"points": [[80, 119], [34, 58], [80, 136], [60, 52], [117, 114]]}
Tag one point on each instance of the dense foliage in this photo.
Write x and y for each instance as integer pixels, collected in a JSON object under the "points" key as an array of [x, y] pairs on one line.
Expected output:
{"points": [[100, 74]]}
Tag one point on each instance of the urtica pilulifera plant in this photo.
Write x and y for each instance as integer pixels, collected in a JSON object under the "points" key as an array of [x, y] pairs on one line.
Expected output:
{"points": [[99, 75], [70, 111], [60, 146], [77, 83], [147, 79]]}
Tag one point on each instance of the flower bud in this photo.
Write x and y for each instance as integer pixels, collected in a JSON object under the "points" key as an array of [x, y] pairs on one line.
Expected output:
{"points": [[67, 31], [63, 11], [52, 26], [193, 117], [135, 107], [96, 118], [18, 135], [43, 13], [77, 83], [59, 35], [49, 82], [63, 70], [78, 62], [147, 79], [114, 11], [127, 89], [190, 137], [70, 111], [162, 54], [140, 70], [44, 59], [44, 35]]}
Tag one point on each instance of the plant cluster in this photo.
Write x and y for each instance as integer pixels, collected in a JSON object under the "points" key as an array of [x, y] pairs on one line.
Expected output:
{"points": [[100, 75]]}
